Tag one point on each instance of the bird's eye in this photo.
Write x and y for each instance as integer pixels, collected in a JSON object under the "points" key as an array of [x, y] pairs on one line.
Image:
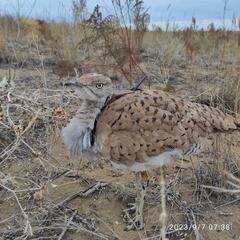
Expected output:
{"points": [[99, 85]]}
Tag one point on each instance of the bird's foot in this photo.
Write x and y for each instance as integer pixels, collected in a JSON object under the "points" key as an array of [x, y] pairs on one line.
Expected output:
{"points": [[132, 218]]}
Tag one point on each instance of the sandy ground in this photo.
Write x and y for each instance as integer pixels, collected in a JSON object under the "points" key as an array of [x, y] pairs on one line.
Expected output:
{"points": [[39, 186]]}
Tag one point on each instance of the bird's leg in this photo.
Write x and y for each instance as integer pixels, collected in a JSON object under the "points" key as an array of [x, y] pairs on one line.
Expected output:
{"points": [[137, 221], [139, 201], [163, 214]]}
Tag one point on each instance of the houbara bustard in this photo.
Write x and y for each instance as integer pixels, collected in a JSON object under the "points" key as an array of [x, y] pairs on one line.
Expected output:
{"points": [[139, 130]]}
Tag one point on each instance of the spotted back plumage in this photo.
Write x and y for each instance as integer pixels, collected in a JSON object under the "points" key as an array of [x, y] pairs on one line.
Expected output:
{"points": [[142, 124]]}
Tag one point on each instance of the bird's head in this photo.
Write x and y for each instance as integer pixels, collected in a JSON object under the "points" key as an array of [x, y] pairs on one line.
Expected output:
{"points": [[92, 87]]}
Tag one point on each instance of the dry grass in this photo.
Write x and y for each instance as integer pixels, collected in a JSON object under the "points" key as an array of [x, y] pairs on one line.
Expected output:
{"points": [[45, 194]]}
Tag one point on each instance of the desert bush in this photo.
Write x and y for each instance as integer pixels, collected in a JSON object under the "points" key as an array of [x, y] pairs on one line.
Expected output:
{"points": [[122, 35], [163, 48], [226, 93], [79, 11]]}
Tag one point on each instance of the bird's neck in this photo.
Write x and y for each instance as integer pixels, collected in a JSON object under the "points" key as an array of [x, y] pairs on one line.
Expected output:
{"points": [[90, 104], [89, 111]]}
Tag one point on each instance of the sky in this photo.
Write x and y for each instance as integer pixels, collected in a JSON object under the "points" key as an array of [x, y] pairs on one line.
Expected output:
{"points": [[178, 12]]}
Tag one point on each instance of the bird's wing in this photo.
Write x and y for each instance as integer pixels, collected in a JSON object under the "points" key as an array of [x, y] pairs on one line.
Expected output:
{"points": [[149, 110], [153, 121]]}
